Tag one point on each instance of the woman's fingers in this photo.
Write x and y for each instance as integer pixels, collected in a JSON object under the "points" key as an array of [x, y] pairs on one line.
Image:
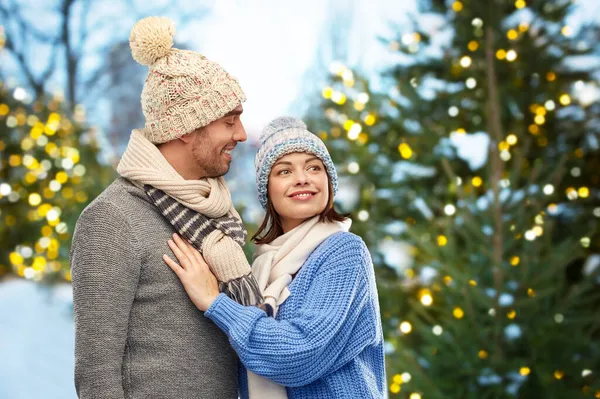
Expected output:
{"points": [[197, 255], [172, 264], [181, 256], [182, 245]]}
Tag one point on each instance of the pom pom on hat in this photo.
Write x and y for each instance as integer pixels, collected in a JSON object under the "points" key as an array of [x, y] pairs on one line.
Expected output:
{"points": [[184, 90], [151, 38]]}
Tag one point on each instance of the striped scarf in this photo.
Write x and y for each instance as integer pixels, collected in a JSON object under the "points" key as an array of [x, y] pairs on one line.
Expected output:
{"points": [[197, 228], [200, 210]]}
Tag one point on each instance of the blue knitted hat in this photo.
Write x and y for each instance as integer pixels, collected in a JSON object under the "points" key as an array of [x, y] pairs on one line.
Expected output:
{"points": [[282, 136]]}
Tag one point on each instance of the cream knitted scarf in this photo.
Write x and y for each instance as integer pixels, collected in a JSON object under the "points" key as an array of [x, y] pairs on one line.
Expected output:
{"points": [[200, 210], [274, 265]]}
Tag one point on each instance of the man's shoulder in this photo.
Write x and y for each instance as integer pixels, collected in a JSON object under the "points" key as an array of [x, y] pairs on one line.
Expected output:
{"points": [[120, 198]]}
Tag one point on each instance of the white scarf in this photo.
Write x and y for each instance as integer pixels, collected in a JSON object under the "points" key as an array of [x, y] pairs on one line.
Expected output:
{"points": [[143, 163], [274, 265]]}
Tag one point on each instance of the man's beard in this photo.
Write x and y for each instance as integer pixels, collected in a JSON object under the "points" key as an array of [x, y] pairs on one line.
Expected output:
{"points": [[211, 165]]}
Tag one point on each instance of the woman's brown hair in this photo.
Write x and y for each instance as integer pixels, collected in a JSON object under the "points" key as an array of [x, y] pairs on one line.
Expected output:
{"points": [[271, 228]]}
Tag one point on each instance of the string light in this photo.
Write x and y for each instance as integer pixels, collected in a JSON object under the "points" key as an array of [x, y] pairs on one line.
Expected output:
{"points": [[565, 99], [442, 240], [458, 313], [465, 61], [473, 45], [405, 327], [425, 297], [405, 151]]}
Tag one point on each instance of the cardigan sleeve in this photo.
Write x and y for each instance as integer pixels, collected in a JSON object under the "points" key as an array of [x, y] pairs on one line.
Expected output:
{"points": [[319, 337], [105, 269]]}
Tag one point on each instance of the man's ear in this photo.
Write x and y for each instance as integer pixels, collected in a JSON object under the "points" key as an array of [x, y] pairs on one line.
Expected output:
{"points": [[187, 138]]}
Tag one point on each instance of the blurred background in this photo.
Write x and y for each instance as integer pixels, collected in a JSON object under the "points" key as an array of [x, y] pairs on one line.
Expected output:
{"points": [[466, 134]]}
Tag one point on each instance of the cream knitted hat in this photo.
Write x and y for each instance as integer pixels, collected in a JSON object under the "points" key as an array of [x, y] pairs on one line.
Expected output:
{"points": [[184, 90]]}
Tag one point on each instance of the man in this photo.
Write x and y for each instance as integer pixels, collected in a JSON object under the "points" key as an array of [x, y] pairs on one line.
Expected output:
{"points": [[136, 332]]}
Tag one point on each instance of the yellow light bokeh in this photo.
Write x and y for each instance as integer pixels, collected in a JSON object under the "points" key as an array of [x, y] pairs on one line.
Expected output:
{"points": [[39, 263], [14, 160], [425, 297], [405, 151], [457, 6], [370, 120], [458, 313], [476, 181], [442, 240], [511, 315], [405, 327], [524, 371], [34, 199], [533, 129], [501, 54], [515, 260], [15, 258], [559, 374], [520, 4], [473, 45], [512, 34], [327, 92], [62, 177], [550, 76], [483, 354], [564, 99], [348, 124], [583, 192], [503, 146]]}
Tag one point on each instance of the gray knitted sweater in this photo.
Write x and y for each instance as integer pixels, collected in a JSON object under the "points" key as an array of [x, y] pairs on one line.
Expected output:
{"points": [[137, 335]]}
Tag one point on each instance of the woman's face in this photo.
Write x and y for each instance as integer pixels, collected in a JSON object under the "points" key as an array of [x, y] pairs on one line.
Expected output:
{"points": [[298, 188]]}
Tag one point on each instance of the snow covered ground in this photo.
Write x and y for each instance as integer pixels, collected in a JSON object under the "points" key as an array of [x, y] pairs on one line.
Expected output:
{"points": [[36, 341]]}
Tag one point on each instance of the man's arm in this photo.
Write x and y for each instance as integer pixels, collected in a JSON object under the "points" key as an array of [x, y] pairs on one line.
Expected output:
{"points": [[105, 268]]}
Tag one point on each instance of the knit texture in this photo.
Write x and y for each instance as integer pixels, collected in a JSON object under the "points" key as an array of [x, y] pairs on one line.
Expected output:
{"points": [[184, 91], [137, 334], [198, 230], [143, 164], [282, 136], [327, 339]]}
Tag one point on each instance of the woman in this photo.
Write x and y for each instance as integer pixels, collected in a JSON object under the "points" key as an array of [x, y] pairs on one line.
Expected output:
{"points": [[321, 335]]}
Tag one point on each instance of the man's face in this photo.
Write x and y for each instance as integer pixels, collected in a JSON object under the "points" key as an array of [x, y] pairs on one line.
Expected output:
{"points": [[212, 145]]}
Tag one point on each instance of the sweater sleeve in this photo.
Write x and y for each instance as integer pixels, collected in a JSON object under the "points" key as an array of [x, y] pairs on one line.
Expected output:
{"points": [[319, 337], [105, 268]]}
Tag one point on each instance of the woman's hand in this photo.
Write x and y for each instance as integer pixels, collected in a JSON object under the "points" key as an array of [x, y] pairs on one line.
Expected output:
{"points": [[197, 279]]}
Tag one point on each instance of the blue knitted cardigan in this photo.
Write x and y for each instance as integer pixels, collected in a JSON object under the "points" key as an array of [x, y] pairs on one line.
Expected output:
{"points": [[327, 340]]}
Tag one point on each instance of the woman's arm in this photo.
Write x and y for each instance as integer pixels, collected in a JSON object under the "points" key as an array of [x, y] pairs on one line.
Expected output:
{"points": [[320, 337]]}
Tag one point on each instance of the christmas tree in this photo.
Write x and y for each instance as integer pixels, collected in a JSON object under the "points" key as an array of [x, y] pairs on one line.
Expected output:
{"points": [[481, 161], [49, 171]]}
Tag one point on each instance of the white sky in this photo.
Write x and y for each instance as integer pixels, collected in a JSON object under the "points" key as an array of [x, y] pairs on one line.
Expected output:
{"points": [[268, 45]]}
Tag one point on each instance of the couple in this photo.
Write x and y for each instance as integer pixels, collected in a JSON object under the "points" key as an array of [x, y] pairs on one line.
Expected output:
{"points": [[165, 302]]}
